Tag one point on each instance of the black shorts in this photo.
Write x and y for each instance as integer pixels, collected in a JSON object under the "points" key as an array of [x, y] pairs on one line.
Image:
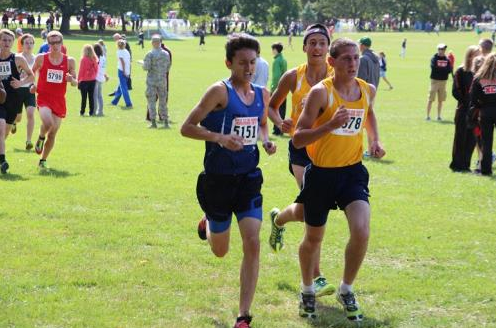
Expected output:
{"points": [[26, 98], [222, 195], [329, 188], [10, 109], [297, 156]]}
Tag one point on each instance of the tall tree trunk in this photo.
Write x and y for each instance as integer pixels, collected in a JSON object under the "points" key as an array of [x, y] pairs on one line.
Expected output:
{"points": [[65, 26]]}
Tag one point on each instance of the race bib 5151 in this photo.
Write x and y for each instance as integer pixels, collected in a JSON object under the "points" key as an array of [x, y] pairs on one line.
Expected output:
{"points": [[353, 126], [246, 127], [55, 76]]}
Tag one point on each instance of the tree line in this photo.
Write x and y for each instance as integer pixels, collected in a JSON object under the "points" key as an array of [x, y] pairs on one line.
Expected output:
{"points": [[267, 13]]}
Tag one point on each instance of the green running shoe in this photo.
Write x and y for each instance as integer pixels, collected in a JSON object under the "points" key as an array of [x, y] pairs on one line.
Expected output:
{"points": [[307, 306], [350, 305], [276, 233], [38, 148], [322, 287], [42, 165]]}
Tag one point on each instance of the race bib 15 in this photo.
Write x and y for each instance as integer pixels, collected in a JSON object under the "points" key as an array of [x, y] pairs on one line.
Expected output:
{"points": [[55, 76], [353, 126], [246, 127]]}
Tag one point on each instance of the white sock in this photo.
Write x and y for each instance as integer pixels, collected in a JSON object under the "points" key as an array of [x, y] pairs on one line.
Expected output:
{"points": [[307, 289], [345, 289]]}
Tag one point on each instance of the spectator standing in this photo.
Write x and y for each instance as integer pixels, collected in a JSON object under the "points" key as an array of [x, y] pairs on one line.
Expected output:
{"points": [[369, 69], [383, 66], [483, 98], [440, 70], [88, 69], [403, 49], [123, 72], [279, 67], [157, 64], [101, 77], [261, 76], [464, 140]]}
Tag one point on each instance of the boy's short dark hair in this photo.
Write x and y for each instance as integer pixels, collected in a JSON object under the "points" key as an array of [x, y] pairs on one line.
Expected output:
{"points": [[240, 41], [278, 46], [338, 44]]}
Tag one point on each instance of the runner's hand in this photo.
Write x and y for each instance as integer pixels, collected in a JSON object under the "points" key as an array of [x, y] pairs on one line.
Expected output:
{"points": [[270, 147], [69, 78], [231, 141], [287, 125], [376, 150], [15, 83], [32, 89], [340, 117]]}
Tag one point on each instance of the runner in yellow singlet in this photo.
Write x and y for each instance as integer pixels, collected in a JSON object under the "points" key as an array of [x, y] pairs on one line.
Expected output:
{"points": [[331, 127], [299, 81]]}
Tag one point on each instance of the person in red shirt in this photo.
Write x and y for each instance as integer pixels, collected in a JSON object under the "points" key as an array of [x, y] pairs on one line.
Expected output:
{"points": [[88, 69], [55, 69]]}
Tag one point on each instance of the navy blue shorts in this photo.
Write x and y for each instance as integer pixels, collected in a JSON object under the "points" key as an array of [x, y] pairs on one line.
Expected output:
{"points": [[297, 156], [222, 195], [10, 109], [326, 189]]}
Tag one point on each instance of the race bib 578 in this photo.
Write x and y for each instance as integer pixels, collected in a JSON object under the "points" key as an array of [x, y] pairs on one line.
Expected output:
{"points": [[246, 127], [353, 126]]}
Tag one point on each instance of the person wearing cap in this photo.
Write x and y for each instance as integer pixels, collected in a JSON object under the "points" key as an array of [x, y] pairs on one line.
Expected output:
{"points": [[370, 67], [157, 64], [440, 70], [299, 81]]}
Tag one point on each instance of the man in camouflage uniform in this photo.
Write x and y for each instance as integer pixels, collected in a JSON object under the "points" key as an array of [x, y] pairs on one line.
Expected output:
{"points": [[157, 64]]}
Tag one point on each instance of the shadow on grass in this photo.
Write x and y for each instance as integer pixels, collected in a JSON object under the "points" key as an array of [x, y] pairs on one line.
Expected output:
{"points": [[219, 324], [22, 150], [331, 316], [445, 122], [56, 173], [12, 177], [378, 160], [284, 286]]}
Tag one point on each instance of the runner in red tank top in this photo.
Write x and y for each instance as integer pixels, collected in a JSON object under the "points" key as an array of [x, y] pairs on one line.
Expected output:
{"points": [[55, 70]]}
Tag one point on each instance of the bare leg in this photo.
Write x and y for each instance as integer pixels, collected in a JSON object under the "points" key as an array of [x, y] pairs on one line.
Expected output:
{"points": [[429, 107], [3, 127], [309, 252], [50, 127], [250, 231], [358, 215], [439, 108], [30, 125]]}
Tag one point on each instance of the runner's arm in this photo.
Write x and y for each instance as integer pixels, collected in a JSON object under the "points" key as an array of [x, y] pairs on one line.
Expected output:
{"points": [[375, 146], [23, 64], [269, 146], [3, 94], [316, 102], [215, 98], [287, 84], [71, 75]]}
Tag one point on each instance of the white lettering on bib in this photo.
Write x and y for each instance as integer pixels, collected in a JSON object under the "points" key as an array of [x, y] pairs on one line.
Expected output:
{"points": [[353, 126], [5, 70], [246, 127], [55, 76]]}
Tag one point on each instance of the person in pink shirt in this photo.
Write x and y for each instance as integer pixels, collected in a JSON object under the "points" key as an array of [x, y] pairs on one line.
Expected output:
{"points": [[88, 69]]}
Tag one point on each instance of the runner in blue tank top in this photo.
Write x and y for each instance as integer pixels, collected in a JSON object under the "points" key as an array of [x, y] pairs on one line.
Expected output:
{"points": [[231, 117]]}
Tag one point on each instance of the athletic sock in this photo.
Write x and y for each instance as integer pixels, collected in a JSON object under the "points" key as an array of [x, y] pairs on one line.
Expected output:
{"points": [[345, 289], [2, 158], [307, 289], [41, 138]]}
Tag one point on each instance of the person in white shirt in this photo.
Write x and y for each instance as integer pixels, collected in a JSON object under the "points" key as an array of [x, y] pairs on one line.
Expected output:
{"points": [[123, 71], [261, 76], [101, 77]]}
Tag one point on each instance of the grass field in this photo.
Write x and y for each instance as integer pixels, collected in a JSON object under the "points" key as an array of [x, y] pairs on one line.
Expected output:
{"points": [[108, 237]]}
